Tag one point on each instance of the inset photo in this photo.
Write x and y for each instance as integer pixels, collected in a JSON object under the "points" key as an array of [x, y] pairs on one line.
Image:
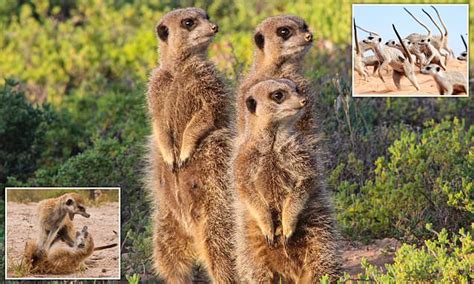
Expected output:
{"points": [[62, 233], [408, 50]]}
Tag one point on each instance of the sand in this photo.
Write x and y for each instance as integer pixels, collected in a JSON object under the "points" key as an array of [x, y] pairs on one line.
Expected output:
{"points": [[375, 87]]}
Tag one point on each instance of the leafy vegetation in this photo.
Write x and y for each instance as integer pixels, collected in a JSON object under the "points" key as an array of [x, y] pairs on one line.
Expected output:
{"points": [[73, 113]]}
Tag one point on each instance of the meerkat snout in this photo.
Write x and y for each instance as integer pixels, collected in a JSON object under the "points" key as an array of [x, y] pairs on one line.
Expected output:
{"points": [[214, 28]]}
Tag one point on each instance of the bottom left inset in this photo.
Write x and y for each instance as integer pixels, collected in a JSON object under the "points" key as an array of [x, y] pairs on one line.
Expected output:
{"points": [[62, 233]]}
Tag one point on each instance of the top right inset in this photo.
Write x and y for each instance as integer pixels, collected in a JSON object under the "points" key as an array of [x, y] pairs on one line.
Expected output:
{"points": [[408, 50]]}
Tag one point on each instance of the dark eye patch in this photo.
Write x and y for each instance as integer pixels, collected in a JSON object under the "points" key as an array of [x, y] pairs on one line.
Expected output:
{"points": [[277, 96], [284, 32], [207, 17], [188, 24], [428, 68], [305, 27]]}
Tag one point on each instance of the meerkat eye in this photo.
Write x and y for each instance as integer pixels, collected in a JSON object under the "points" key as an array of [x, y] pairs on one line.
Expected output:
{"points": [[305, 27], [284, 32], [188, 24], [371, 37], [428, 40], [207, 17], [428, 68], [69, 202], [81, 208], [277, 96]]}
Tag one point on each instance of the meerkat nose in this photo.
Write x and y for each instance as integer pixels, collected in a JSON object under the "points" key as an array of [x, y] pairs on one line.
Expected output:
{"points": [[214, 28], [308, 37], [303, 102]]}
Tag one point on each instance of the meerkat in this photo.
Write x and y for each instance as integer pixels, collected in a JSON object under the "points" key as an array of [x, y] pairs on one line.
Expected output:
{"points": [[190, 150], [281, 44], [401, 62], [358, 57], [285, 226], [435, 56], [463, 56], [61, 258], [448, 82], [55, 217]]}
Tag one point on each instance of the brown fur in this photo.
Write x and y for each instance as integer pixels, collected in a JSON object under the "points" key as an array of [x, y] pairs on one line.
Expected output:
{"points": [[189, 155], [285, 224], [55, 219], [277, 58], [60, 258]]}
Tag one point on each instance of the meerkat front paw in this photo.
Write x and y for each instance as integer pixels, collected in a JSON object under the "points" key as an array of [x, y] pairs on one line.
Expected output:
{"points": [[184, 156], [268, 230], [288, 227]]}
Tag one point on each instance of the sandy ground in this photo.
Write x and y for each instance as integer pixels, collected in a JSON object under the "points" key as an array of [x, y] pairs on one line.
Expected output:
{"points": [[378, 253], [374, 86], [104, 225]]}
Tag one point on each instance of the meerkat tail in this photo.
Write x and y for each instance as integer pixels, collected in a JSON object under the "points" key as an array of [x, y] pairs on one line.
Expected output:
{"points": [[105, 247]]}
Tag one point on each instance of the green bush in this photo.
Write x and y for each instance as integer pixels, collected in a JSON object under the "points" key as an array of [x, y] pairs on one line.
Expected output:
{"points": [[21, 133], [427, 178], [442, 260]]}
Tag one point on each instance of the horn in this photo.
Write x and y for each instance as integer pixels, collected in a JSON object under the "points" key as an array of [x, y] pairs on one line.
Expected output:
{"points": [[356, 39], [367, 31], [419, 22], [408, 55], [434, 22], [441, 20], [464, 41]]}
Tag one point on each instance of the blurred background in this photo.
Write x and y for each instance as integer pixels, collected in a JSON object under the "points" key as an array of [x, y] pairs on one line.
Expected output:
{"points": [[92, 197], [73, 113]]}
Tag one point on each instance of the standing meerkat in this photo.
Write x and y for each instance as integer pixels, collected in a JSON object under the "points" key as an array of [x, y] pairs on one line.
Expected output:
{"points": [[189, 154], [284, 219], [448, 82], [281, 43], [55, 217]]}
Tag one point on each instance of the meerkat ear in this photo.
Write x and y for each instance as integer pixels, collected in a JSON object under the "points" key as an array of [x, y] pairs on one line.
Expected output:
{"points": [[162, 32], [259, 40], [251, 104], [402, 59], [69, 202]]}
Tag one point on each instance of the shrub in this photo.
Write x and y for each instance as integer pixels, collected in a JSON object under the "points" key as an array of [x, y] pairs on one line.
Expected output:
{"points": [[427, 178], [445, 259], [20, 133]]}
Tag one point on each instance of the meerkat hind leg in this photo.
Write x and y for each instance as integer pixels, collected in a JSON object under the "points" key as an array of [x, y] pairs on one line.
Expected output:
{"points": [[397, 76], [173, 252]]}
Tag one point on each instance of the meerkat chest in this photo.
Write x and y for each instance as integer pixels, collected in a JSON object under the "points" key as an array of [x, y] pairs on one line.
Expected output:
{"points": [[273, 179]]}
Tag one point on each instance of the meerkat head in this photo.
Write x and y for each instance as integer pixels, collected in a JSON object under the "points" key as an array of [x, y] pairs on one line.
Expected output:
{"points": [[281, 38], [372, 40], [275, 101], [425, 40], [186, 31], [463, 56], [74, 204], [431, 69]]}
